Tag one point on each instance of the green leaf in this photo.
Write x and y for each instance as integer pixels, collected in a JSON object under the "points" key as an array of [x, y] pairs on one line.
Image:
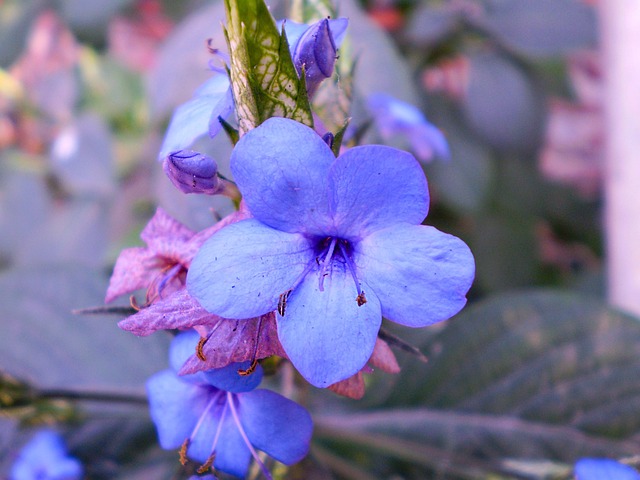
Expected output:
{"points": [[531, 380], [44, 343], [264, 79]]}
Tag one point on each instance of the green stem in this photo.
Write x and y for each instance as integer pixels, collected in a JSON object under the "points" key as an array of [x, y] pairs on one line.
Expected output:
{"points": [[75, 395]]}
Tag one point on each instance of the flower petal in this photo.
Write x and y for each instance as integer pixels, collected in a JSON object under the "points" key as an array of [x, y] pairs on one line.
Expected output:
{"points": [[326, 335], [242, 270], [175, 407], [375, 187], [196, 117], [231, 452], [281, 169], [604, 469], [275, 425], [420, 274], [228, 378], [135, 268]]}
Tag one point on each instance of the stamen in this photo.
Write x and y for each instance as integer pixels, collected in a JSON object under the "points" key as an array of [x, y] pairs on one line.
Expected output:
{"points": [[326, 262], [361, 299], [250, 370], [134, 303], [282, 302], [200, 347], [208, 465], [243, 434], [158, 284], [183, 451]]}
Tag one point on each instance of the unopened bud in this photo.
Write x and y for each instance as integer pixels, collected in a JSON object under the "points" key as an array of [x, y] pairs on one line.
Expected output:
{"points": [[192, 172], [316, 53]]}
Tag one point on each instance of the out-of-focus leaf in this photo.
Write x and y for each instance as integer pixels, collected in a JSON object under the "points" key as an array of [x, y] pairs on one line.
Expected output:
{"points": [[82, 158], [75, 233], [505, 251], [464, 181], [24, 203], [44, 343], [15, 19], [430, 24], [541, 28], [91, 18], [502, 104], [181, 66], [537, 375]]}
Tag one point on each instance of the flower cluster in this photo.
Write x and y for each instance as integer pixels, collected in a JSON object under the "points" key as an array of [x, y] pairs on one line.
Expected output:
{"points": [[327, 240]]}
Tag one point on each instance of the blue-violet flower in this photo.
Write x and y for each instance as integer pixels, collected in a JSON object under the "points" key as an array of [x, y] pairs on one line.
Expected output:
{"points": [[334, 245], [220, 419], [604, 469], [45, 457], [396, 118]]}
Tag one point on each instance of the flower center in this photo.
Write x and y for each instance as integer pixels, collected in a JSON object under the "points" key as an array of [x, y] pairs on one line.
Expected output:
{"points": [[342, 250]]}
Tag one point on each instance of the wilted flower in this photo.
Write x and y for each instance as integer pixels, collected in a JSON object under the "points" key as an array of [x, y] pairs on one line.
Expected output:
{"points": [[335, 244], [396, 118], [604, 469], [45, 458], [218, 418]]}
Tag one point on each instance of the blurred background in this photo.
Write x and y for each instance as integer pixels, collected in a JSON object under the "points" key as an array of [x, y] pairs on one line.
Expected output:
{"points": [[538, 371]]}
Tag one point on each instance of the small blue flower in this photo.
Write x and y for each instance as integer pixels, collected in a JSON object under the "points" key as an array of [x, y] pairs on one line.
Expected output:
{"points": [[335, 244], [45, 458], [604, 469], [199, 115], [396, 118], [217, 416]]}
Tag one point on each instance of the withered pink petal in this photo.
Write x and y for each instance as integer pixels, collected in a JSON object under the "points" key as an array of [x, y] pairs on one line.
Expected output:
{"points": [[384, 358], [178, 310], [166, 236], [235, 341], [352, 387], [135, 268]]}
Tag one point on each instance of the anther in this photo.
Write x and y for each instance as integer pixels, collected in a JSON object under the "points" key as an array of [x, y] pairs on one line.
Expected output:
{"points": [[250, 370], [206, 466], [361, 299], [282, 302], [183, 451], [200, 348]]}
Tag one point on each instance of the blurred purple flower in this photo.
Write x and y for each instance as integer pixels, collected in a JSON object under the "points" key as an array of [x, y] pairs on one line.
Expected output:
{"points": [[396, 118], [220, 419], [45, 458], [326, 231], [604, 469], [192, 172]]}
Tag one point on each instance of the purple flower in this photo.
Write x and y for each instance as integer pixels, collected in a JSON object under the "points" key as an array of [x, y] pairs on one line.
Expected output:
{"points": [[192, 172], [394, 117], [604, 469], [199, 115], [45, 458], [217, 416], [334, 245]]}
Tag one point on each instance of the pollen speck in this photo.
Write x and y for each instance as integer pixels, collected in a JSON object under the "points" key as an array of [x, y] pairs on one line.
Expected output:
{"points": [[361, 299]]}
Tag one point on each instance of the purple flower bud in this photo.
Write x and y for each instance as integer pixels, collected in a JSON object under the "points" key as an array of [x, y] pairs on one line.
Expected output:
{"points": [[316, 52], [192, 172]]}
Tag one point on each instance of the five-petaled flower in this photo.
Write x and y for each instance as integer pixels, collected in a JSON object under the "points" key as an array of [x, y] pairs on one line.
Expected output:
{"points": [[219, 419], [334, 245]]}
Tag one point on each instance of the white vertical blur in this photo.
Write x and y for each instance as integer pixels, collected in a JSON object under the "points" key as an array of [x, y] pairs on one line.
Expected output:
{"points": [[620, 22]]}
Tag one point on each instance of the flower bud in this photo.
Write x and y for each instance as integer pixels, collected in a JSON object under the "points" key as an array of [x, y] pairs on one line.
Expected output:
{"points": [[316, 52], [192, 172]]}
